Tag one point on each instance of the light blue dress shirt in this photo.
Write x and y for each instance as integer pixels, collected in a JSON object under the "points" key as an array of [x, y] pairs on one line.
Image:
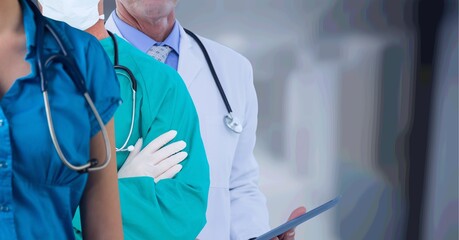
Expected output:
{"points": [[38, 193], [143, 42]]}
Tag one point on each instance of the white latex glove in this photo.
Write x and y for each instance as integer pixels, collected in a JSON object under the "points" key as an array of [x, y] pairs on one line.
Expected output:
{"points": [[156, 160]]}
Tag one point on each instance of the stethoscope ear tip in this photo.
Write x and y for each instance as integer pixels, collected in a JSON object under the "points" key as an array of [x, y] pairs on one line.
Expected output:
{"points": [[130, 148]]}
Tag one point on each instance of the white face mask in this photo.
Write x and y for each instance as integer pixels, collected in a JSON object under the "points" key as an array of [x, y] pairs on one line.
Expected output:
{"points": [[81, 14]]}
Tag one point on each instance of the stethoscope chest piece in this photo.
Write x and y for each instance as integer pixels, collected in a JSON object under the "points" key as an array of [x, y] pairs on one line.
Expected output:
{"points": [[233, 123]]}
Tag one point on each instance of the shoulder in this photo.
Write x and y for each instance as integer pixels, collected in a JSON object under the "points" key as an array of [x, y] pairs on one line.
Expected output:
{"points": [[72, 37], [149, 71], [232, 67], [82, 46], [221, 52], [157, 83]]}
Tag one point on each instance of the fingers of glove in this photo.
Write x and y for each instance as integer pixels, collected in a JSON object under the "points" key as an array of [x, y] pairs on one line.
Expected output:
{"points": [[170, 173], [128, 174], [127, 170], [160, 141], [168, 151], [133, 153], [121, 172], [138, 167], [169, 162]]}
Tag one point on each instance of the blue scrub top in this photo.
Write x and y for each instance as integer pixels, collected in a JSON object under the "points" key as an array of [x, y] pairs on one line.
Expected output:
{"points": [[38, 193]]}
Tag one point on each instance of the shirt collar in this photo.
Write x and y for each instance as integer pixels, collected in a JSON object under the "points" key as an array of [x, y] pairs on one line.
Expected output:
{"points": [[173, 40], [143, 42], [30, 27]]}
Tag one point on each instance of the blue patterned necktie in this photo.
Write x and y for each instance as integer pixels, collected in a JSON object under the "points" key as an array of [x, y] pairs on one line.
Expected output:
{"points": [[159, 52]]}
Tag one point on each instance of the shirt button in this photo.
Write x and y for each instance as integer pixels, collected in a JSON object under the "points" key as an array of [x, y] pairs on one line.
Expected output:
{"points": [[4, 208], [3, 164]]}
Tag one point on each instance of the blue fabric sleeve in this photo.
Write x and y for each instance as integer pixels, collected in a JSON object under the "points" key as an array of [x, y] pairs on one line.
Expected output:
{"points": [[102, 85]]}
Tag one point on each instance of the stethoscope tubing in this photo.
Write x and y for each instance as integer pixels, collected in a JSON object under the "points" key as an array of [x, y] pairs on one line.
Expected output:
{"points": [[212, 69], [230, 121], [129, 75], [78, 80]]}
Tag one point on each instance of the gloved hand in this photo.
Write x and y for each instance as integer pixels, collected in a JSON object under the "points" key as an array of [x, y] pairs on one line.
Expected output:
{"points": [[156, 160]]}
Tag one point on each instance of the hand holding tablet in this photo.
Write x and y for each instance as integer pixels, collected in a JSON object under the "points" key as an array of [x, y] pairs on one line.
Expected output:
{"points": [[290, 224], [290, 234]]}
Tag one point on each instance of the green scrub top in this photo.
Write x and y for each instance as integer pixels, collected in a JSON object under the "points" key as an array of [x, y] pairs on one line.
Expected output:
{"points": [[172, 208]]}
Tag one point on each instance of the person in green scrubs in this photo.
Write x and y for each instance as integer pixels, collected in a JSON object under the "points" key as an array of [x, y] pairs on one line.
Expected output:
{"points": [[173, 208]]}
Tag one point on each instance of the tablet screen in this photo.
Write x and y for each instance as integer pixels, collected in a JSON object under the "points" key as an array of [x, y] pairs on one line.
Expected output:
{"points": [[297, 221]]}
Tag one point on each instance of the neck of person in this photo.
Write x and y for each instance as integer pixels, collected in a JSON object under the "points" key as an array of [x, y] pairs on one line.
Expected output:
{"points": [[98, 30], [10, 16], [156, 28]]}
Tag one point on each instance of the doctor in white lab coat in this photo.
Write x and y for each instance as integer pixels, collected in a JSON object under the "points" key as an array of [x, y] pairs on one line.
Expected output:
{"points": [[236, 207]]}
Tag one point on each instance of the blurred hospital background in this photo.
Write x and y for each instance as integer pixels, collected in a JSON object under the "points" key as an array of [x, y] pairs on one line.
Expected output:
{"points": [[357, 98]]}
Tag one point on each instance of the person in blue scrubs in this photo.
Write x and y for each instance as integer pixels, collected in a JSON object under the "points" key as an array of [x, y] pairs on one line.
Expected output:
{"points": [[38, 193]]}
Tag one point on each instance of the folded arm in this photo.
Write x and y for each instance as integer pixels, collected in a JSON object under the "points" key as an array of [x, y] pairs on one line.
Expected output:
{"points": [[172, 208]]}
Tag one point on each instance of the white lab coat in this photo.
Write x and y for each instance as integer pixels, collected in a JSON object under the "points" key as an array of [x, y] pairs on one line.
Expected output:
{"points": [[236, 207]]}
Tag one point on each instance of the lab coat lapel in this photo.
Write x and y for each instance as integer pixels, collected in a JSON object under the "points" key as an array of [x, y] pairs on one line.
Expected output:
{"points": [[189, 64]]}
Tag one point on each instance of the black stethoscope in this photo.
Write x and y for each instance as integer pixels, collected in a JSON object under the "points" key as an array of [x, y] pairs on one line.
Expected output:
{"points": [[70, 67], [231, 122]]}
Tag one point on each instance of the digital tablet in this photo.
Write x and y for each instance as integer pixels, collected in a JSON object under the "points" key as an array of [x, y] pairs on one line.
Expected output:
{"points": [[297, 221]]}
